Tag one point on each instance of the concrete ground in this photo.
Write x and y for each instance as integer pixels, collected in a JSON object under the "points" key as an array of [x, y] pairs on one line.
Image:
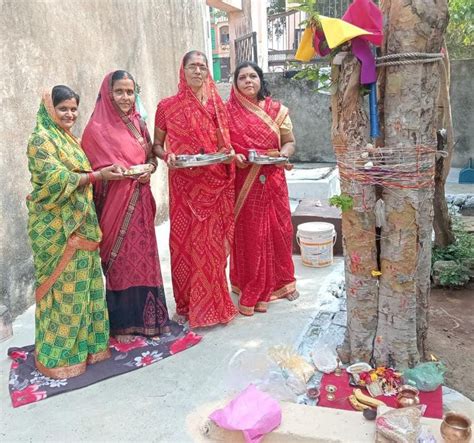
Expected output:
{"points": [[152, 404]]}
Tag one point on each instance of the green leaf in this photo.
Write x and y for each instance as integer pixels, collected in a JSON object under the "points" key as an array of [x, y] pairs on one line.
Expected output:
{"points": [[343, 201]]}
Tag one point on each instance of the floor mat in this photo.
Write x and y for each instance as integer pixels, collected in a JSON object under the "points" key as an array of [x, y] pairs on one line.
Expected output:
{"points": [[28, 385]]}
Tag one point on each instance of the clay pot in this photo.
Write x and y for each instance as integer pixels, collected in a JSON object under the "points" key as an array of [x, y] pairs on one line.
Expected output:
{"points": [[456, 428], [407, 396]]}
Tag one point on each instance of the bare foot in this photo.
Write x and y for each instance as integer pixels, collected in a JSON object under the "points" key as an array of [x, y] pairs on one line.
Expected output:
{"points": [[125, 338], [293, 296], [180, 319]]}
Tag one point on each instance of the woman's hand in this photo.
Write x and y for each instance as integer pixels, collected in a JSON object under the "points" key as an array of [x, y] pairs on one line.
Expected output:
{"points": [[231, 154], [144, 178], [112, 172], [241, 161], [170, 160]]}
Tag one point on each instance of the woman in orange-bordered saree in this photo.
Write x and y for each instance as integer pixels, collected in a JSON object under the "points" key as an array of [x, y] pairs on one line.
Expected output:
{"points": [[261, 265]]}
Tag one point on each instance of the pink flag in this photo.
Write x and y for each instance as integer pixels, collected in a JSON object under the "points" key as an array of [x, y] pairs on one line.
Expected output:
{"points": [[366, 15]]}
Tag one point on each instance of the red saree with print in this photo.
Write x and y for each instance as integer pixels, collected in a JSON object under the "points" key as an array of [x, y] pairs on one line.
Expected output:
{"points": [[126, 210], [261, 264], [201, 205]]}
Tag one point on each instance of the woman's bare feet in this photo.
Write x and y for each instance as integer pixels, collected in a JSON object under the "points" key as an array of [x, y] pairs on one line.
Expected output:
{"points": [[293, 296], [180, 319], [125, 338]]}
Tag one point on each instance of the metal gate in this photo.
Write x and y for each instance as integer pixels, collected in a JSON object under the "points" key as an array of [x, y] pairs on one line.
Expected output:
{"points": [[246, 48]]}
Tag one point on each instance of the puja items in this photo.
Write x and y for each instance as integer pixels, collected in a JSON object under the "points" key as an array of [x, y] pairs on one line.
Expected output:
{"points": [[288, 359], [425, 376], [313, 393], [138, 169], [407, 396], [380, 381], [262, 159], [359, 401], [456, 428], [331, 392], [197, 160], [398, 425], [356, 369]]}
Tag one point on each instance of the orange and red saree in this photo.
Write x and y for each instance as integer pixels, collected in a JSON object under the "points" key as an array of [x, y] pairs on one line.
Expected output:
{"points": [[201, 205], [261, 265]]}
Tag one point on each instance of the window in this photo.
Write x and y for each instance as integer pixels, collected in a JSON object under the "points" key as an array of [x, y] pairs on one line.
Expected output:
{"points": [[224, 35]]}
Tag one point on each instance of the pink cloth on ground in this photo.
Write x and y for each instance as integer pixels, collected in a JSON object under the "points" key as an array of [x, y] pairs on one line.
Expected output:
{"points": [[253, 412]]}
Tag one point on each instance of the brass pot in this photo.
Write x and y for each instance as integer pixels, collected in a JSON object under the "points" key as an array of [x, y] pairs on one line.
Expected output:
{"points": [[456, 428], [407, 396]]}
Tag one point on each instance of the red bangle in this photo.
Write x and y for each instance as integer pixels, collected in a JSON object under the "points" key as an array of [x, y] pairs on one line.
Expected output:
{"points": [[166, 156], [92, 178]]}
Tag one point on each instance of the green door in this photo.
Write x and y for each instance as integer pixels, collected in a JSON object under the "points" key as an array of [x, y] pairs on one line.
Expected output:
{"points": [[216, 69]]}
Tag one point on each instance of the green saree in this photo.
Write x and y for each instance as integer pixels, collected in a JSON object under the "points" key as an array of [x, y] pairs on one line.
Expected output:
{"points": [[72, 327]]}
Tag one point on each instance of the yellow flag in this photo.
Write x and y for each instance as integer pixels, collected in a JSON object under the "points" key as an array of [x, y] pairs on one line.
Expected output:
{"points": [[305, 50], [338, 31]]}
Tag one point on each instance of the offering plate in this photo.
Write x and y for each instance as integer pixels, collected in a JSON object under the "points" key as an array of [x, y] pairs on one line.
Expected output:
{"points": [[192, 161], [261, 159], [138, 170]]}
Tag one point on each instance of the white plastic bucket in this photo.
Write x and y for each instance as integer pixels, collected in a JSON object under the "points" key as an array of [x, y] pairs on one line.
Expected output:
{"points": [[316, 240]]}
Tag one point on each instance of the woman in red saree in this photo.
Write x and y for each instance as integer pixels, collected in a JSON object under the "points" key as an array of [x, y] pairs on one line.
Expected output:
{"points": [[261, 265], [116, 134], [201, 199]]}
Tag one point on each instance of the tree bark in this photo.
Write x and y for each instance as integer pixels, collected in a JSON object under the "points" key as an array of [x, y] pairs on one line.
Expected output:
{"points": [[349, 138], [410, 103]]}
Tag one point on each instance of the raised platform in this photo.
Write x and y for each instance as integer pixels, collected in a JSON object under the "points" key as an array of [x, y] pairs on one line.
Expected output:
{"points": [[300, 423], [316, 181]]}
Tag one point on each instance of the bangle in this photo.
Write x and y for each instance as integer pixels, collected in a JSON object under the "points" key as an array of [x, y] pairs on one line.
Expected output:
{"points": [[166, 156], [154, 163], [91, 178]]}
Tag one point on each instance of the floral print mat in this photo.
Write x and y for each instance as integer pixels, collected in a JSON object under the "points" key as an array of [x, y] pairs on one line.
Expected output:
{"points": [[28, 385]]}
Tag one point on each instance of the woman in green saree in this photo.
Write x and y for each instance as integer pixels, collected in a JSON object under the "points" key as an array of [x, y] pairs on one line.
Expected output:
{"points": [[72, 327]]}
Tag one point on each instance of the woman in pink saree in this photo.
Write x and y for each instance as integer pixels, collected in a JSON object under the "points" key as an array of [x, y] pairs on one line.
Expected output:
{"points": [[116, 134], [261, 264]]}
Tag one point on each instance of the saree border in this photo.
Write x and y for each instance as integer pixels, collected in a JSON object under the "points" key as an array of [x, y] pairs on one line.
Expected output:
{"points": [[259, 112], [48, 105], [73, 370], [275, 295], [246, 310], [123, 228], [244, 192], [145, 332], [73, 244], [274, 126], [128, 123], [283, 291]]}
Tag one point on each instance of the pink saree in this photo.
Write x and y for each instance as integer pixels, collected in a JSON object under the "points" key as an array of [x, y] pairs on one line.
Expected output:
{"points": [[126, 211], [261, 264]]}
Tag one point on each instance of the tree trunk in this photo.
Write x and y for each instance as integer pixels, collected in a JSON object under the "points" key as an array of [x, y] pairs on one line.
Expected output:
{"points": [[410, 103], [349, 138], [444, 235]]}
